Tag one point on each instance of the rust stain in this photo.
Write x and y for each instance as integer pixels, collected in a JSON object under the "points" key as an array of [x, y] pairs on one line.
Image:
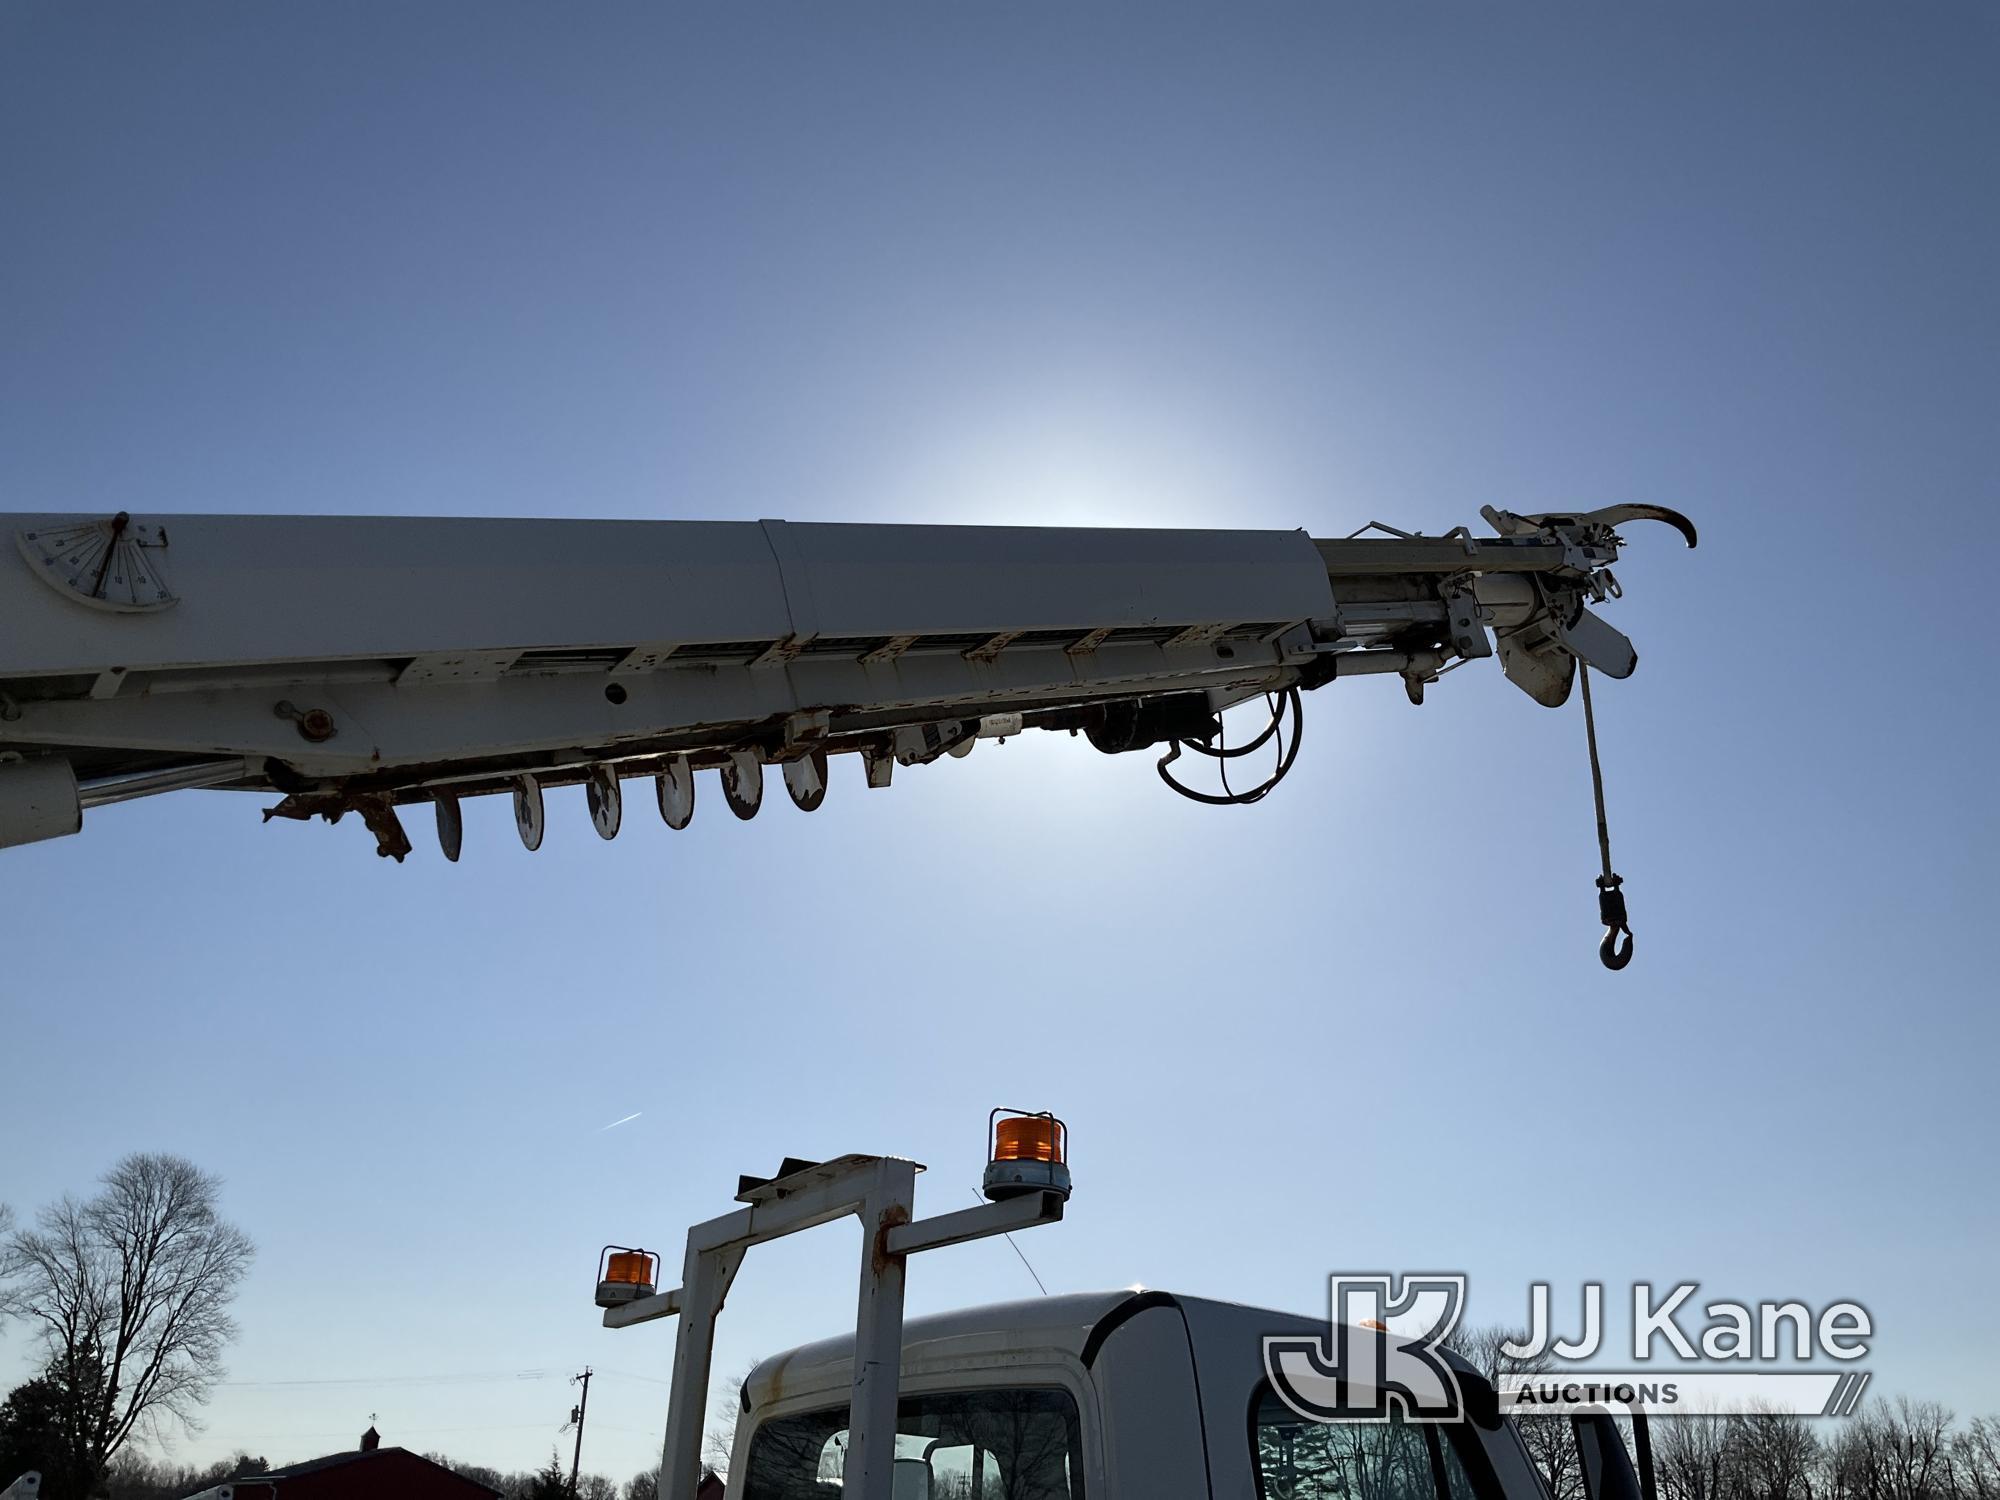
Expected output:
{"points": [[895, 1217]]}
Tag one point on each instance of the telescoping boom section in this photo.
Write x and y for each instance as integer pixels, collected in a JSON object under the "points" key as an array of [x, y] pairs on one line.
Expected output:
{"points": [[362, 665]]}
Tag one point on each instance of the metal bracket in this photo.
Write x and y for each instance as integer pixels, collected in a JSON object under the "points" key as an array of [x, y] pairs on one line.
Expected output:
{"points": [[992, 646], [1196, 635], [920, 744], [889, 650], [456, 666], [1467, 618], [806, 728], [780, 653], [645, 658], [878, 1190]]}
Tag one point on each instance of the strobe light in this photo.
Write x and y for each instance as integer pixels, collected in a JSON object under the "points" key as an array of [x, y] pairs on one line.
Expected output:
{"points": [[1026, 1153], [625, 1275]]}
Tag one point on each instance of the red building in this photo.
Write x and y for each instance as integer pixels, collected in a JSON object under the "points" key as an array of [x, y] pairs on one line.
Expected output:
{"points": [[372, 1471]]}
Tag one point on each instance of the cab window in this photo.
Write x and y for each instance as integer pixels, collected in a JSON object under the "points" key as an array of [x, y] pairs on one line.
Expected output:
{"points": [[957, 1445], [1395, 1460]]}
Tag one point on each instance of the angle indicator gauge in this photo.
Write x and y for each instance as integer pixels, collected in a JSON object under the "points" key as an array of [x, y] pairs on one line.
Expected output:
{"points": [[114, 564]]}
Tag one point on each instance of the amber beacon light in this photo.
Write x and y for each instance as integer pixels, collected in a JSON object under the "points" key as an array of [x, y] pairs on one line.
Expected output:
{"points": [[1026, 1153], [625, 1275]]}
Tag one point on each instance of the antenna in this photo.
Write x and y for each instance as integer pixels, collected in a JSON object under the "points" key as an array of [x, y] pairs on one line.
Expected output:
{"points": [[979, 1197]]}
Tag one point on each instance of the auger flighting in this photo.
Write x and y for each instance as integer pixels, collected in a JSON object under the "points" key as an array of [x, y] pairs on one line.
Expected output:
{"points": [[363, 665]]}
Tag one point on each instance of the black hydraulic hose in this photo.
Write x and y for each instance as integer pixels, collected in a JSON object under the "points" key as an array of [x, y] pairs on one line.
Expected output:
{"points": [[1288, 754], [1225, 753]]}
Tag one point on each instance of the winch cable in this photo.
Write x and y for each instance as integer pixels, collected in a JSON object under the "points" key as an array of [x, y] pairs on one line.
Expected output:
{"points": [[1610, 896]]}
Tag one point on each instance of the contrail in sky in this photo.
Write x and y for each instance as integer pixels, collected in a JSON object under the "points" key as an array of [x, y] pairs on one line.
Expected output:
{"points": [[616, 1123]]}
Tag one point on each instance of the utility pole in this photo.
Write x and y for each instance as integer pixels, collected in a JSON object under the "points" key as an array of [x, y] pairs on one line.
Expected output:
{"points": [[576, 1415]]}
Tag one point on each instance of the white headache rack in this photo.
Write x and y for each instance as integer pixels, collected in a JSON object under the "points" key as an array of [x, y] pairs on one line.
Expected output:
{"points": [[880, 1191]]}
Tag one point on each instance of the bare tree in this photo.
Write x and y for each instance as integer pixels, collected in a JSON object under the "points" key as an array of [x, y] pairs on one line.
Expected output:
{"points": [[1774, 1454], [1691, 1456], [1913, 1435], [6, 1233], [1975, 1459], [1485, 1350], [643, 1486], [725, 1407], [128, 1293]]}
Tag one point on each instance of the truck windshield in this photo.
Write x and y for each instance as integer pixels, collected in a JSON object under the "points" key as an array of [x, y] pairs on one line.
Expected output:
{"points": [[1393, 1460], [955, 1445]]}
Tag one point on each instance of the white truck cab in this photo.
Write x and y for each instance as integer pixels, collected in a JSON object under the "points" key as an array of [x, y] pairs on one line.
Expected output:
{"points": [[1126, 1395]]}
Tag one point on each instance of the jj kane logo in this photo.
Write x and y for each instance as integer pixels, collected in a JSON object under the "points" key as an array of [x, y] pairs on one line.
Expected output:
{"points": [[1383, 1356], [1362, 1372]]}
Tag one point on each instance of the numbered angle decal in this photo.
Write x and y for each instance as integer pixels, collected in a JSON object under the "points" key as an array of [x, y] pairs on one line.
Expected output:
{"points": [[115, 564]]}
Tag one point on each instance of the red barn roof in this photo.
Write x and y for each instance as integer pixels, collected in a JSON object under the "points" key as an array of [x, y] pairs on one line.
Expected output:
{"points": [[388, 1474]]}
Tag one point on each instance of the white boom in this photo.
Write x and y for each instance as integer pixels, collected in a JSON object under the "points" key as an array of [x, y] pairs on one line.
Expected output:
{"points": [[356, 665]]}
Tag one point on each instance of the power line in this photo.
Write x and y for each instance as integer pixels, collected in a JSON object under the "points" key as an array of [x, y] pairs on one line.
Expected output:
{"points": [[465, 1377], [289, 1435], [630, 1375], [460, 1378]]}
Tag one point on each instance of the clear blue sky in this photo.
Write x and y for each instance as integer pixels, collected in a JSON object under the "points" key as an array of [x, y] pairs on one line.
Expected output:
{"points": [[1287, 267]]}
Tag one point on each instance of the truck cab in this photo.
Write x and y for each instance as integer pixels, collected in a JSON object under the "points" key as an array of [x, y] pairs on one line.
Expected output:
{"points": [[1124, 1395]]}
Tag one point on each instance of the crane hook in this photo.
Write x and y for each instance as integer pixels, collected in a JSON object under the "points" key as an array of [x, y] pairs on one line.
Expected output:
{"points": [[1610, 899], [1611, 912]]}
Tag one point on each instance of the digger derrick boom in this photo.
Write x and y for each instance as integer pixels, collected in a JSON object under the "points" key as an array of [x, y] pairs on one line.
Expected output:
{"points": [[359, 664]]}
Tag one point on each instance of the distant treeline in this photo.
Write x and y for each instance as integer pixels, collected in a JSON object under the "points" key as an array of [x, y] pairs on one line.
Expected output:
{"points": [[133, 1477], [1898, 1449]]}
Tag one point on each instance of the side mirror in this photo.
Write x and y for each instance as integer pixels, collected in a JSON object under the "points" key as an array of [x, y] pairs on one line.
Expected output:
{"points": [[910, 1479]]}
